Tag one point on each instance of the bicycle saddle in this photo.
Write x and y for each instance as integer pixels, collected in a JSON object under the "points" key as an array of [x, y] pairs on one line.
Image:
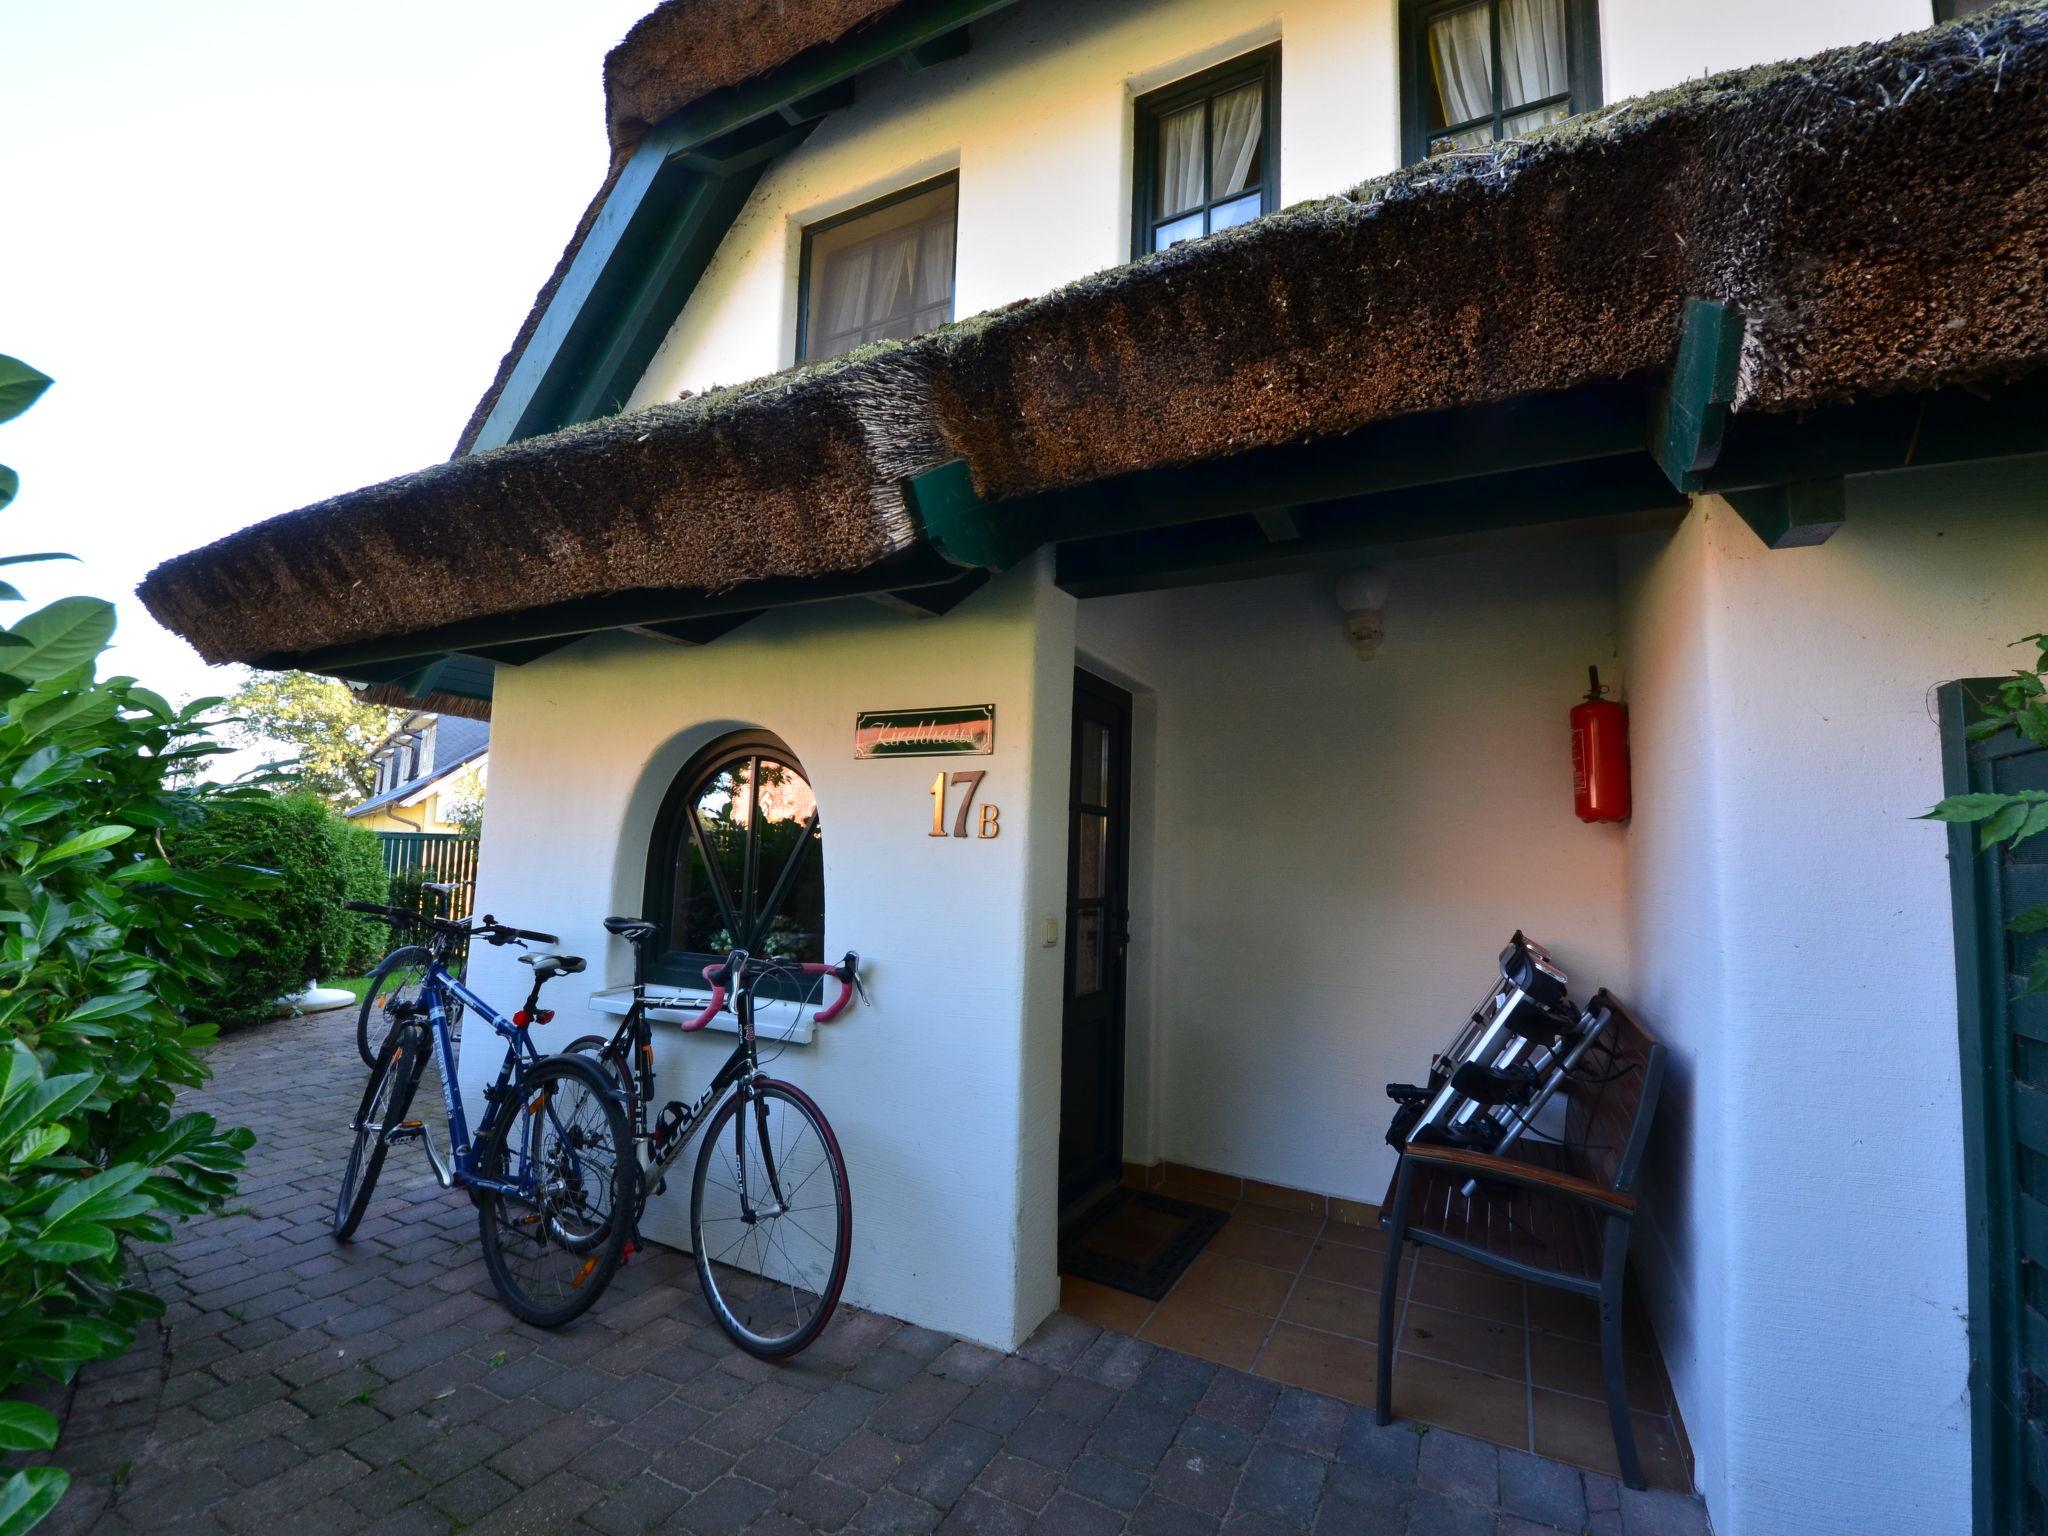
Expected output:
{"points": [[546, 966], [634, 928]]}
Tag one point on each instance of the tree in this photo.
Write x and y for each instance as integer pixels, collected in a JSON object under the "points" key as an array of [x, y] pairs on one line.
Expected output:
{"points": [[463, 802], [333, 730]]}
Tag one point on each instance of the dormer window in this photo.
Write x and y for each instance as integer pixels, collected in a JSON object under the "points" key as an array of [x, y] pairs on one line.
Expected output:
{"points": [[1207, 153], [879, 273], [1474, 71]]}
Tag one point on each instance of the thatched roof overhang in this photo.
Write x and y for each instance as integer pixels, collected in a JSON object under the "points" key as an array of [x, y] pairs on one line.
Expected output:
{"points": [[1756, 283], [699, 97]]}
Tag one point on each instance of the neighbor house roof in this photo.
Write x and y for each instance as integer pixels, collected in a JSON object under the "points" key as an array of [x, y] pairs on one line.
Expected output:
{"points": [[1877, 215], [458, 742]]}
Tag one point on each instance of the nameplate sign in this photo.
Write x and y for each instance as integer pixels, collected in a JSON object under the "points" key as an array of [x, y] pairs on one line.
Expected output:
{"points": [[961, 730]]}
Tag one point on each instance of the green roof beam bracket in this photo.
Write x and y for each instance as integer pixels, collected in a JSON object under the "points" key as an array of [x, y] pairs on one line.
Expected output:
{"points": [[942, 49], [1793, 516], [972, 533], [417, 685], [1691, 415]]}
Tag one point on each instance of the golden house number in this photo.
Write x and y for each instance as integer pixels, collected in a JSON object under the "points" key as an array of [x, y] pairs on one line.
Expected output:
{"points": [[991, 819]]}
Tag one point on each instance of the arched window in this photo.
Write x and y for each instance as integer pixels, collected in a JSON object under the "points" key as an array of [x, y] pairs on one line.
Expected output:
{"points": [[736, 860]]}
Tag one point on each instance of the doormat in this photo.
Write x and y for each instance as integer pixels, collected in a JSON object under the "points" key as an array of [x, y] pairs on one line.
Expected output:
{"points": [[1138, 1242]]}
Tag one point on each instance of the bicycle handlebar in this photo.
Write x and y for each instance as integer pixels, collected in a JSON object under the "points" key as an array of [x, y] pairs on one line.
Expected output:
{"points": [[846, 972], [487, 928]]}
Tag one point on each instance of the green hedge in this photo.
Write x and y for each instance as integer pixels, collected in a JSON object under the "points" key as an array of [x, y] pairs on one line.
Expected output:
{"points": [[353, 944], [300, 929]]}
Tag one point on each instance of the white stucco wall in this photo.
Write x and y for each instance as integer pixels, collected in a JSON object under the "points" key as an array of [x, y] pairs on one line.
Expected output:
{"points": [[1649, 44], [1791, 935], [1037, 120], [942, 1090], [1331, 851]]}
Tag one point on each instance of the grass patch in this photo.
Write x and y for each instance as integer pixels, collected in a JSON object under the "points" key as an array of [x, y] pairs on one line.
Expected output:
{"points": [[355, 985]]}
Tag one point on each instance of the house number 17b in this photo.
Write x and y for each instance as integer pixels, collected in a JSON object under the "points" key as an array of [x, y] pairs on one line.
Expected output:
{"points": [[991, 819]]}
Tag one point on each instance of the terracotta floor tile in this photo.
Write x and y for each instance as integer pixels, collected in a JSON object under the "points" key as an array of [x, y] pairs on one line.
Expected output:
{"points": [[1273, 1216], [1234, 1283], [1197, 1327], [1560, 1312], [1457, 1290], [1322, 1362], [1257, 1192], [1477, 1343], [1354, 1213], [1255, 1244], [1362, 1267], [1335, 1308], [1117, 1310], [1437, 1256], [1219, 1189], [1571, 1365], [1350, 1236], [1470, 1402], [1575, 1429]]}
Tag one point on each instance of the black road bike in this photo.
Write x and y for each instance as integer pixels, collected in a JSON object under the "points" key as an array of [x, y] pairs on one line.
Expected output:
{"points": [[771, 1217]]}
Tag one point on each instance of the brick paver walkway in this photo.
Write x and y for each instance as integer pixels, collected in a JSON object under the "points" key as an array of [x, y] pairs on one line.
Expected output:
{"points": [[297, 1385]]}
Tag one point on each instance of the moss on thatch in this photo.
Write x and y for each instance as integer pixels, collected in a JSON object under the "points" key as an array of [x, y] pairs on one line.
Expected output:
{"points": [[1878, 214]]}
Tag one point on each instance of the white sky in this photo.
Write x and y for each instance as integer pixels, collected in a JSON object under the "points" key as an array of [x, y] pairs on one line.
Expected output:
{"points": [[269, 251]]}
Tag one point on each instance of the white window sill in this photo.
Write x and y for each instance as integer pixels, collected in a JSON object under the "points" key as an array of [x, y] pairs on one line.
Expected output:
{"points": [[774, 1022]]}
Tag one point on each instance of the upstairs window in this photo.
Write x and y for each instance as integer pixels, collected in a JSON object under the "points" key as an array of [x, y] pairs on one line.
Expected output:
{"points": [[879, 273], [1207, 153], [1480, 70]]}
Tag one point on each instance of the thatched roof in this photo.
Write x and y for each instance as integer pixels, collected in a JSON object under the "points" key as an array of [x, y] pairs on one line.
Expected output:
{"points": [[1879, 214]]}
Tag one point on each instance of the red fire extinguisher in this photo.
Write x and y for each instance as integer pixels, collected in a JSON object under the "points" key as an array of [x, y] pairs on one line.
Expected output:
{"points": [[1600, 755]]}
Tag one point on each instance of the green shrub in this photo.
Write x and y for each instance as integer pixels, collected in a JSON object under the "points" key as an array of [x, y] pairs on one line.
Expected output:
{"points": [[274, 950], [103, 940], [354, 943]]}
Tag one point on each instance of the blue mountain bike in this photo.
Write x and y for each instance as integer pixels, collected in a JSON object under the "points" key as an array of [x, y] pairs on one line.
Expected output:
{"points": [[552, 1170]]}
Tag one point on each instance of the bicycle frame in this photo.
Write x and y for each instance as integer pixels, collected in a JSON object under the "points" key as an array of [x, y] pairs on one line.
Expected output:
{"points": [[459, 1168]]}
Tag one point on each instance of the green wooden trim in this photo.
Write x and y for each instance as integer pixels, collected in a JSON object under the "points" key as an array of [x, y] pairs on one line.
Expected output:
{"points": [[1263, 65], [1603, 496], [942, 49], [1990, 1177], [1793, 516], [1598, 421], [908, 569], [1692, 415], [700, 631], [520, 652], [582, 346], [1948, 426], [933, 602]]}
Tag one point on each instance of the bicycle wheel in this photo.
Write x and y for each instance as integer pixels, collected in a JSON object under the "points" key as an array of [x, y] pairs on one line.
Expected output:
{"points": [[772, 1263], [385, 1101], [562, 1139], [396, 980]]}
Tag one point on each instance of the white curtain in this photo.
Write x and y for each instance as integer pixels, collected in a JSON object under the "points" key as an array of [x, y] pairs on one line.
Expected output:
{"points": [[1240, 118], [935, 264], [846, 309], [1461, 58], [1532, 64], [1180, 160]]}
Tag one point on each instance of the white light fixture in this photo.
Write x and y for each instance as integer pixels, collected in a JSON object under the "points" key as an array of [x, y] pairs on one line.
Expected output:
{"points": [[1362, 594]]}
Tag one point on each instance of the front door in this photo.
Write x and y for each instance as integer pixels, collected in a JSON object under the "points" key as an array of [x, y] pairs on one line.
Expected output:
{"points": [[1098, 930], [2005, 1128]]}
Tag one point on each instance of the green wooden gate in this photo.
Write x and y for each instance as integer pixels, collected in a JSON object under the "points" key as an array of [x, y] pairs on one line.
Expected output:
{"points": [[2004, 1040], [440, 856]]}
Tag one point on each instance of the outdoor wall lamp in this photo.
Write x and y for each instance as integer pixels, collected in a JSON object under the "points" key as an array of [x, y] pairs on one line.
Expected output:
{"points": [[1362, 594]]}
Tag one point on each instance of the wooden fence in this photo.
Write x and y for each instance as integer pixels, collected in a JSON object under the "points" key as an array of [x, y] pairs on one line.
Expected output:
{"points": [[447, 857]]}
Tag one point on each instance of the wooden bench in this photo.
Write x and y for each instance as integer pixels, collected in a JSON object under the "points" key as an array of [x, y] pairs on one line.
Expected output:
{"points": [[1549, 1211]]}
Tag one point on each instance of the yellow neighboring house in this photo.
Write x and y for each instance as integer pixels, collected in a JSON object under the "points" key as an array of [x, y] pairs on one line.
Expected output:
{"points": [[425, 770]]}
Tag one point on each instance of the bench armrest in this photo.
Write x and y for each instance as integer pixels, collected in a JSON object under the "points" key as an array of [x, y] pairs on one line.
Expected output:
{"points": [[1484, 1165]]}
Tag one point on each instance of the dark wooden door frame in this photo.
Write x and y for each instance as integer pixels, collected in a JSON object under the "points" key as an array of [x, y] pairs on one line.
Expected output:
{"points": [[1116, 925], [1998, 1430]]}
